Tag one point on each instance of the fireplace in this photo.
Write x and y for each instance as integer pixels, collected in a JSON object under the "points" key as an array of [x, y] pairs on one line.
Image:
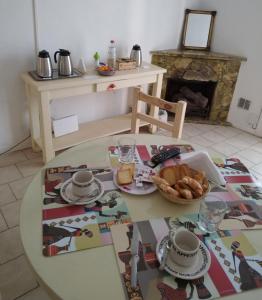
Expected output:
{"points": [[205, 80], [198, 95]]}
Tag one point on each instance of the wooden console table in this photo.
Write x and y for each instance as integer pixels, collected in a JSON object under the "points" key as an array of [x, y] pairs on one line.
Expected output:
{"points": [[40, 93]]}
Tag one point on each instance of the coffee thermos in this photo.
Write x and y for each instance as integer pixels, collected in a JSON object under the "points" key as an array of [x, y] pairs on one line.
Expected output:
{"points": [[64, 63], [136, 54], [44, 65]]}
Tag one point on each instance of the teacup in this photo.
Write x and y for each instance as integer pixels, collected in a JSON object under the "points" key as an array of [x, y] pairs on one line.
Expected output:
{"points": [[185, 246], [82, 183]]}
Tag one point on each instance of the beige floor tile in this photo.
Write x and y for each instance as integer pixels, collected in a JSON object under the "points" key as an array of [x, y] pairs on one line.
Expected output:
{"points": [[200, 140], [6, 195], [37, 294], [213, 153], [258, 176], [16, 279], [30, 167], [3, 225], [12, 158], [258, 168], [238, 142], [11, 245], [257, 147], [20, 186], [225, 148], [30, 154], [184, 136], [203, 127], [251, 155], [8, 174], [250, 139], [227, 131], [196, 146], [214, 137], [11, 213], [163, 132], [191, 130]]}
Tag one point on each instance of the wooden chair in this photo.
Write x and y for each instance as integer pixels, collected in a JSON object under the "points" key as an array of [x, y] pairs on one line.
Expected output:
{"points": [[178, 108]]}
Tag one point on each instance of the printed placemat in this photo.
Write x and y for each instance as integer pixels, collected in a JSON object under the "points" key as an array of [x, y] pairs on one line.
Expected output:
{"points": [[68, 228], [235, 264]]}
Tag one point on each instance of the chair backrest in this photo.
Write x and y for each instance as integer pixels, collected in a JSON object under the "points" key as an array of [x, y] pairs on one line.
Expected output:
{"points": [[179, 108]]}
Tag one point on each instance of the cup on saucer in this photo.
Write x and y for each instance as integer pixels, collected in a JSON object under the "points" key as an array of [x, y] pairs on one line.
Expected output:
{"points": [[83, 183], [185, 246]]}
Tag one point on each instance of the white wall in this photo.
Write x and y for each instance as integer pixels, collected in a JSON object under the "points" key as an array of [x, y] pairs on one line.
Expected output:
{"points": [[16, 56], [238, 30], [83, 27]]}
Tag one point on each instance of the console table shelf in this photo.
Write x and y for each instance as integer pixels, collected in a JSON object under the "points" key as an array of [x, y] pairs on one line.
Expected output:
{"points": [[92, 130], [41, 93]]}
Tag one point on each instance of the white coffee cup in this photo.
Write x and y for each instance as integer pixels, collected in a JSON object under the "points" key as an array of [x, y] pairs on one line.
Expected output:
{"points": [[185, 246], [82, 183]]}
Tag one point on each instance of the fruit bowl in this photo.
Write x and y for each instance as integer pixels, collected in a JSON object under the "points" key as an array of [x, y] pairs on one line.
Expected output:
{"points": [[105, 71], [172, 180]]}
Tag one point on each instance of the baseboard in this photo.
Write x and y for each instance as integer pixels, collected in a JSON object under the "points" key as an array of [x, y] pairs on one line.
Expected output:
{"points": [[25, 144]]}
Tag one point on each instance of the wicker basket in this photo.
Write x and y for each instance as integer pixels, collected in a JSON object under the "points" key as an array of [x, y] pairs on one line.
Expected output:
{"points": [[125, 64], [178, 200]]}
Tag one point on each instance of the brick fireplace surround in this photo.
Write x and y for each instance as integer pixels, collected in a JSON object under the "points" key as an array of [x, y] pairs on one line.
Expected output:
{"points": [[195, 65]]}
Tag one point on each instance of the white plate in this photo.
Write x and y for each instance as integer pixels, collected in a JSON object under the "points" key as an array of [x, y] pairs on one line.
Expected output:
{"points": [[68, 196], [131, 188], [198, 269]]}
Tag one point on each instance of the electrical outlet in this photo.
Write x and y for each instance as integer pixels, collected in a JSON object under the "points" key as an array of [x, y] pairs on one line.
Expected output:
{"points": [[247, 104], [244, 103], [241, 102]]}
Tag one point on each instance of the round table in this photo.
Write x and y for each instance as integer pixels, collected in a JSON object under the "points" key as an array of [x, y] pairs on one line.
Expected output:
{"points": [[93, 273]]}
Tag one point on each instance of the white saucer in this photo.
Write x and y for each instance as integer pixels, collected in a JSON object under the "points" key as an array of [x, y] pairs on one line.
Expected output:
{"points": [[68, 196], [198, 269], [147, 188]]}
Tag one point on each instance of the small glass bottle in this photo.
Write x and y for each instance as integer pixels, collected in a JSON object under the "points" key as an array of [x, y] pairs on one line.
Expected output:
{"points": [[111, 58]]}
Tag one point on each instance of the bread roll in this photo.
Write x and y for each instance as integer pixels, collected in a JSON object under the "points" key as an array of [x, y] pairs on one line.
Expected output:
{"points": [[172, 192], [158, 180], [185, 193], [194, 185]]}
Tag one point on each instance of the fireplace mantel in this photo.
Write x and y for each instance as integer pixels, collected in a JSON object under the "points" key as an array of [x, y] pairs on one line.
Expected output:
{"points": [[198, 54], [203, 66]]}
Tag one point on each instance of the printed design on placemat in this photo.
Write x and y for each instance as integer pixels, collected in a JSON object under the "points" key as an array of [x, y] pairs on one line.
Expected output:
{"points": [[68, 228], [235, 264], [231, 166], [248, 191]]}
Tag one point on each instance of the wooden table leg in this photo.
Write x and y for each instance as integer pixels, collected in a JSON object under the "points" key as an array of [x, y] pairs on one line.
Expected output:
{"points": [[157, 86], [45, 127], [33, 104]]}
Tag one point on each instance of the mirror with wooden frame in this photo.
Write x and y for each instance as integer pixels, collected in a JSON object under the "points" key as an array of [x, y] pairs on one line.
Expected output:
{"points": [[197, 30]]}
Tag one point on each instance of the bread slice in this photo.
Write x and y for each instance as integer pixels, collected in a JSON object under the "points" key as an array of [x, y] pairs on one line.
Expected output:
{"points": [[130, 167], [124, 176], [168, 173]]}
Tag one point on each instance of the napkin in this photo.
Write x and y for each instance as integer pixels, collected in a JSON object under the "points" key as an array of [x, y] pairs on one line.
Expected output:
{"points": [[200, 160]]}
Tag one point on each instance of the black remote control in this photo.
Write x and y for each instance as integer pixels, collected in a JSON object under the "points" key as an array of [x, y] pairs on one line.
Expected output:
{"points": [[162, 156]]}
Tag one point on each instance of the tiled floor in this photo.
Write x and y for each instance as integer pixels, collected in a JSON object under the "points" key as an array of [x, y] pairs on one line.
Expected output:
{"points": [[17, 170]]}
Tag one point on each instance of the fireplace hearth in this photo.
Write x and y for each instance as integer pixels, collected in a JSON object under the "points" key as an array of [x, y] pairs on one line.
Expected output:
{"points": [[205, 80], [198, 95]]}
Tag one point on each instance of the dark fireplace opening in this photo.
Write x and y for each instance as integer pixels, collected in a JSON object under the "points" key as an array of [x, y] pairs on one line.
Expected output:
{"points": [[197, 94]]}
